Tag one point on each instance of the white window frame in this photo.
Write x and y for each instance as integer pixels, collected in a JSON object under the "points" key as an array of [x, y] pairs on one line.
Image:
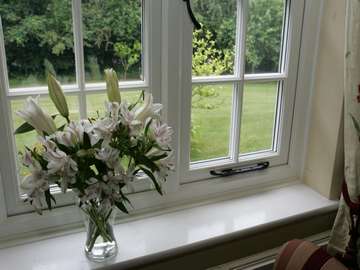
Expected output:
{"points": [[288, 67], [170, 72], [151, 82]]}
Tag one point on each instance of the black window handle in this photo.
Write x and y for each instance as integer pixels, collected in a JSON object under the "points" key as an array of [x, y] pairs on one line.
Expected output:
{"points": [[232, 171], [197, 25]]}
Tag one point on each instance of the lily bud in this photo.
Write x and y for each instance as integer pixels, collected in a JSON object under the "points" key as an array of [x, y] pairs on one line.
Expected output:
{"points": [[112, 85], [57, 96], [36, 117]]}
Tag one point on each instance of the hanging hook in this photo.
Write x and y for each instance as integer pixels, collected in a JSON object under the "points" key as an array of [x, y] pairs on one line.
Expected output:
{"points": [[197, 25]]}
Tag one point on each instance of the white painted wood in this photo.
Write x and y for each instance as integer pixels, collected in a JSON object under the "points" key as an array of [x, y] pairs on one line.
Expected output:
{"points": [[238, 91], [143, 241], [79, 56], [174, 61], [307, 72], [186, 90], [153, 46], [287, 78], [8, 167], [3, 210]]}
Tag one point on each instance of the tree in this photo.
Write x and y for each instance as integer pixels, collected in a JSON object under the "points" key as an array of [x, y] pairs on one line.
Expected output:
{"points": [[112, 29], [264, 29], [37, 30], [128, 55], [263, 40], [207, 60]]}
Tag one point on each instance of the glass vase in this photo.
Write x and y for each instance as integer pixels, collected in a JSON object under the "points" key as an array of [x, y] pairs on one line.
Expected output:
{"points": [[100, 240]]}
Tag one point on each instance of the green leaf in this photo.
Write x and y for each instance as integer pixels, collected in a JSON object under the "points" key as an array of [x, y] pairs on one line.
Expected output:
{"points": [[49, 198], [61, 128], [147, 127], [141, 97], [356, 124], [143, 160], [125, 198], [24, 128], [153, 179], [87, 143], [63, 147], [121, 207], [155, 158]]}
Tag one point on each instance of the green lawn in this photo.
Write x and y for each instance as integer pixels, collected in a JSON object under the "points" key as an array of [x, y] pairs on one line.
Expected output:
{"points": [[211, 126]]}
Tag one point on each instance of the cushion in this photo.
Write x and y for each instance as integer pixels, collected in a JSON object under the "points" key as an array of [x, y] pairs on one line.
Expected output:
{"points": [[303, 255]]}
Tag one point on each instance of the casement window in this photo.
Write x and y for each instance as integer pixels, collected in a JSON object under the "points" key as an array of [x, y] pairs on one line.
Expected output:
{"points": [[76, 40], [239, 101], [229, 90]]}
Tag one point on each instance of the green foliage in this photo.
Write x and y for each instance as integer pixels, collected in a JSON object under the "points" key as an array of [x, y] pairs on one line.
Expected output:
{"points": [[207, 60], [263, 41], [264, 29], [108, 24], [127, 55], [112, 31], [44, 28], [39, 32]]}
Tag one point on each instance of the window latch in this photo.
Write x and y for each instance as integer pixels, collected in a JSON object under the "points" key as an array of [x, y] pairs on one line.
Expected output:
{"points": [[196, 23], [244, 169]]}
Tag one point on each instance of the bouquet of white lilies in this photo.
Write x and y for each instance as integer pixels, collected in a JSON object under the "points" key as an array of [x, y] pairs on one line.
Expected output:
{"points": [[95, 158]]}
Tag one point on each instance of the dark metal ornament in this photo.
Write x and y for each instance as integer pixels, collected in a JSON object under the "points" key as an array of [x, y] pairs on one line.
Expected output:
{"points": [[197, 25]]}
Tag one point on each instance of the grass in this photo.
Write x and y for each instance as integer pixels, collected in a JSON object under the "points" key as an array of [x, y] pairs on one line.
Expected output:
{"points": [[211, 126]]}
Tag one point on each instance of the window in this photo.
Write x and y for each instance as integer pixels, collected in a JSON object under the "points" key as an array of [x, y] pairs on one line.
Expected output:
{"points": [[76, 40], [241, 91], [229, 90]]}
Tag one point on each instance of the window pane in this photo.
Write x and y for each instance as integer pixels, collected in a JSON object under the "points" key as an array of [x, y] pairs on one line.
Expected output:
{"points": [[264, 35], [96, 102], [258, 116], [38, 38], [112, 38], [210, 121], [29, 139], [214, 44]]}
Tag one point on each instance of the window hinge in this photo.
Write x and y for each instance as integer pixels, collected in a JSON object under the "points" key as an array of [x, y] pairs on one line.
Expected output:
{"points": [[244, 169], [197, 25]]}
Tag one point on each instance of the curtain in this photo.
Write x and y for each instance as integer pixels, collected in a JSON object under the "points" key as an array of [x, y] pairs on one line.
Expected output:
{"points": [[346, 222]]}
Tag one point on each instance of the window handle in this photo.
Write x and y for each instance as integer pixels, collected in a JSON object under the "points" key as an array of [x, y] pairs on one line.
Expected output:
{"points": [[232, 171], [196, 23]]}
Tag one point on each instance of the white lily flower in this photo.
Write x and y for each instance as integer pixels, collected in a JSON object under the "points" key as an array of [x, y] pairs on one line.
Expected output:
{"points": [[112, 85], [165, 165], [104, 129], [36, 117], [63, 166], [110, 185], [161, 132], [92, 192], [29, 161], [74, 133], [47, 142], [34, 185], [110, 156], [148, 109], [113, 109], [128, 119]]}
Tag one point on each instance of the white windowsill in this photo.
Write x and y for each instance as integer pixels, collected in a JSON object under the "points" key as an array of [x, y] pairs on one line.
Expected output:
{"points": [[151, 239]]}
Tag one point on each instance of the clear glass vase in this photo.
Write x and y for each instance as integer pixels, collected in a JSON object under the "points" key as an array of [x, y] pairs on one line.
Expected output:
{"points": [[100, 240]]}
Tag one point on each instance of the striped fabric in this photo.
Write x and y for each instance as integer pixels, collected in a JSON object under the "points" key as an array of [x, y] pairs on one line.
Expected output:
{"points": [[303, 255]]}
